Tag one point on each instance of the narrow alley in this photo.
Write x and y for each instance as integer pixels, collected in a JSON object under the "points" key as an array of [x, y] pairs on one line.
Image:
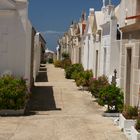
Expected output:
{"points": [[59, 111]]}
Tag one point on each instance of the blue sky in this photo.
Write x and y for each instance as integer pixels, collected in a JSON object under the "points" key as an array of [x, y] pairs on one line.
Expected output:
{"points": [[53, 17]]}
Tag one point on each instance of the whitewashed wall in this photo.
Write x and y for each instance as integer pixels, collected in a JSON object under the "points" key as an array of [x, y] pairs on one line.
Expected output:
{"points": [[130, 40], [28, 53], [128, 8], [91, 53], [37, 56], [96, 63], [110, 50], [86, 53], [15, 44]]}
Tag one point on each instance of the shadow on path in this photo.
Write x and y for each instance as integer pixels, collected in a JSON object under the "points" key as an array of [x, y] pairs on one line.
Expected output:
{"points": [[42, 98], [42, 76]]}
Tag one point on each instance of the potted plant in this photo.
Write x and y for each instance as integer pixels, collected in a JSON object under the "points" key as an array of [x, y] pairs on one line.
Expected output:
{"points": [[135, 131], [13, 95], [128, 117], [111, 96]]}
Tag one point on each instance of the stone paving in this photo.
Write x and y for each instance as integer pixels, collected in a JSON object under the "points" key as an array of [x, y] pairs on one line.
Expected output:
{"points": [[59, 111]]}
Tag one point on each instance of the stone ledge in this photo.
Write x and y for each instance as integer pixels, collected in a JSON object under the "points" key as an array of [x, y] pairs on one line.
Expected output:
{"points": [[111, 114], [10, 112]]}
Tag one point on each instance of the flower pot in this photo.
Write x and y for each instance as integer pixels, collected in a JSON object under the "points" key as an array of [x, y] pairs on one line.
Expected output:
{"points": [[126, 123], [135, 135]]}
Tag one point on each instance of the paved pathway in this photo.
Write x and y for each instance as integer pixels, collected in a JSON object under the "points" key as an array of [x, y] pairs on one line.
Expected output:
{"points": [[59, 111]]}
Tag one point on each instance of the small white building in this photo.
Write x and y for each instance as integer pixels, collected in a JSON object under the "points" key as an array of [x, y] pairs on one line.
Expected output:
{"points": [[97, 43], [49, 55], [39, 51], [15, 38], [74, 43], [63, 46], [88, 41], [129, 21], [82, 27], [110, 44], [92, 42]]}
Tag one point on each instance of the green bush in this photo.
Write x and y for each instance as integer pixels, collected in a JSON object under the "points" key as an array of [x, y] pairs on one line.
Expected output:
{"points": [[13, 93], [72, 71], [65, 63], [112, 97], [50, 60], [95, 85], [82, 78], [137, 126], [68, 72], [65, 55], [76, 68], [57, 63], [79, 79], [130, 112]]}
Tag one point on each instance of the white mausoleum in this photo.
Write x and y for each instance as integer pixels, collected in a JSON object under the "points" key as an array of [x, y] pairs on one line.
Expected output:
{"points": [[15, 38]]}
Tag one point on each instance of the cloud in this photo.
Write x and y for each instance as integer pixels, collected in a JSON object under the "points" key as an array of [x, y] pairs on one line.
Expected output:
{"points": [[52, 32]]}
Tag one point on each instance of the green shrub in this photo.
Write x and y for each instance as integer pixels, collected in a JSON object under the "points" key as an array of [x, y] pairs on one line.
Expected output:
{"points": [[79, 79], [82, 78], [76, 68], [137, 126], [13, 93], [112, 97], [87, 76], [95, 85], [50, 60], [65, 55], [72, 71], [57, 63], [65, 63], [68, 72], [130, 112]]}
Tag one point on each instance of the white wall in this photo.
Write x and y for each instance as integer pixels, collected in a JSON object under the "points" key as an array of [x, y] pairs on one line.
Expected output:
{"points": [[105, 56], [97, 47], [37, 56], [28, 52], [130, 72], [127, 9], [86, 53], [15, 42], [12, 46], [110, 48], [91, 53]]}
